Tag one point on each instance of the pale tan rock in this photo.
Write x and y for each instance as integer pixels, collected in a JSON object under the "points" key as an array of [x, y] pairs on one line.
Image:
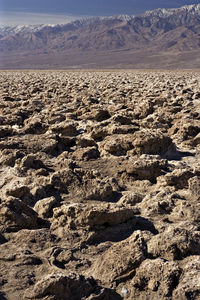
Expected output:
{"points": [[12, 184], [178, 178], [9, 157], [151, 142], [67, 286], [121, 119], [90, 216], [101, 115], [185, 210], [98, 133], [65, 180], [116, 144], [44, 207], [160, 203], [15, 215], [185, 129], [147, 168], [34, 126], [189, 285], [85, 142], [31, 162], [155, 277], [130, 198], [122, 129], [121, 260], [144, 109], [196, 140], [86, 153], [102, 190], [65, 128], [194, 185], [174, 244]]}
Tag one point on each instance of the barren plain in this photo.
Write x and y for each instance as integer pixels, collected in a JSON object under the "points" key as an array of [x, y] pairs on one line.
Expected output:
{"points": [[100, 185]]}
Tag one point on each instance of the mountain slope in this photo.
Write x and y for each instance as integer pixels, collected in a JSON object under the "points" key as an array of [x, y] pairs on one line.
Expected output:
{"points": [[125, 39]]}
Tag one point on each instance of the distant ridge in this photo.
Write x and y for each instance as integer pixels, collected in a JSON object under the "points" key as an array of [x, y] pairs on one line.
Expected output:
{"points": [[10, 30], [161, 38], [163, 12]]}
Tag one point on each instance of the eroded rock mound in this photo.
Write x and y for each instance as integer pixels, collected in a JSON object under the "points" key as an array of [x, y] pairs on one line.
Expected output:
{"points": [[155, 277], [175, 244], [70, 286], [96, 223], [16, 215], [152, 142], [120, 261]]}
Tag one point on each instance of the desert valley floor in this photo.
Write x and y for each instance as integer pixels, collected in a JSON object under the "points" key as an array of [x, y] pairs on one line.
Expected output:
{"points": [[100, 185]]}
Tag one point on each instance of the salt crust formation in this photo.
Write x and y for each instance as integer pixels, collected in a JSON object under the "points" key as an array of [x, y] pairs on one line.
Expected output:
{"points": [[100, 185]]}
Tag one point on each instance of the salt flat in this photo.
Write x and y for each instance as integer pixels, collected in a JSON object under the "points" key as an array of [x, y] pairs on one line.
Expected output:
{"points": [[100, 185]]}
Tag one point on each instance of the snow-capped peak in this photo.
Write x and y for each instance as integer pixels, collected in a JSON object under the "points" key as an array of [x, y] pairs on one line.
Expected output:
{"points": [[92, 20], [163, 12], [10, 30], [160, 12]]}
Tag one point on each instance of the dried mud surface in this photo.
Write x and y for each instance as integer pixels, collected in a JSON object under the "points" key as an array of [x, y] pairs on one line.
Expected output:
{"points": [[100, 185]]}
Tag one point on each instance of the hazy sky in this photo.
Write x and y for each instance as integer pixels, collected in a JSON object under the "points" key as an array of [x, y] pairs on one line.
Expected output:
{"points": [[59, 11]]}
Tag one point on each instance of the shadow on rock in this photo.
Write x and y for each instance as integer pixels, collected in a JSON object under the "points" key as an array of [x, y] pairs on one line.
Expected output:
{"points": [[115, 233], [145, 224], [177, 155], [2, 296]]}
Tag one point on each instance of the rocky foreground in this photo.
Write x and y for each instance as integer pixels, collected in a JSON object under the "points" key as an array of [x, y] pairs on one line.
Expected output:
{"points": [[100, 185]]}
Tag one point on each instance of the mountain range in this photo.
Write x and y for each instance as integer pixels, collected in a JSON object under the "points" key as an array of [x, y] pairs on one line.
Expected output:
{"points": [[162, 38]]}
